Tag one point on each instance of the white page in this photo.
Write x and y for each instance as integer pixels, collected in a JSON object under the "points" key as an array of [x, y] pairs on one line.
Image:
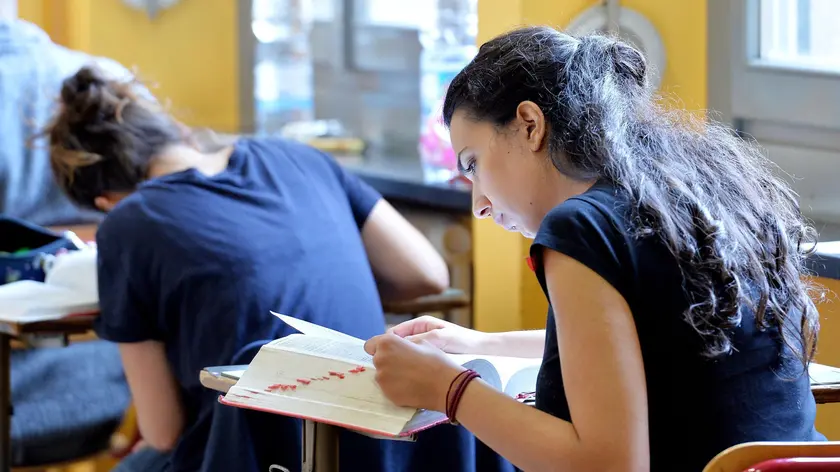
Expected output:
{"points": [[76, 271], [823, 375], [507, 367], [335, 349], [312, 329], [30, 301]]}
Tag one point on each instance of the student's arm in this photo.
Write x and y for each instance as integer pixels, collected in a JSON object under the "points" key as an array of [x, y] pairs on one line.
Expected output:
{"points": [[128, 301], [154, 393], [404, 262], [453, 338], [604, 384]]}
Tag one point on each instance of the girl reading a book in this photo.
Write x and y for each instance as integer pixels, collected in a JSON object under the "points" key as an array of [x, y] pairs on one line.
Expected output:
{"points": [[671, 255], [199, 245]]}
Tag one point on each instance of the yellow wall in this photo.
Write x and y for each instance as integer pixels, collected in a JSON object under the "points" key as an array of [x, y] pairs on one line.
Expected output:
{"points": [[828, 352], [506, 294], [190, 50]]}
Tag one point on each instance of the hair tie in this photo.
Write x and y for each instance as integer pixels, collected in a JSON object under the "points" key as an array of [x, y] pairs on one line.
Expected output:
{"points": [[456, 391]]}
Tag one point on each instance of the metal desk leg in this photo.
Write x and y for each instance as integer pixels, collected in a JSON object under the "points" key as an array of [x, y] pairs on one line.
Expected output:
{"points": [[5, 404], [308, 446], [320, 447]]}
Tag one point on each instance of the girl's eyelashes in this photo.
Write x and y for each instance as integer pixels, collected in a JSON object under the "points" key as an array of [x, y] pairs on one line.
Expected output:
{"points": [[469, 169]]}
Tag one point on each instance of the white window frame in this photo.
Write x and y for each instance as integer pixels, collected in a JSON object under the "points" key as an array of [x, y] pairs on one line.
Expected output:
{"points": [[793, 112]]}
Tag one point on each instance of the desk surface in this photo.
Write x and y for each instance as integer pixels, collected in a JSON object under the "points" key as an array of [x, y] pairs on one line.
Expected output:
{"points": [[72, 325]]}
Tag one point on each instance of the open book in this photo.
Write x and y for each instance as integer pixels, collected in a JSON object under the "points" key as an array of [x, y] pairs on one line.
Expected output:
{"points": [[69, 288], [327, 376]]}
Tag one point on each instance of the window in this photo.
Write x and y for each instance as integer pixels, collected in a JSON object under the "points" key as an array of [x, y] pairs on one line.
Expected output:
{"points": [[368, 70], [774, 73], [801, 34]]}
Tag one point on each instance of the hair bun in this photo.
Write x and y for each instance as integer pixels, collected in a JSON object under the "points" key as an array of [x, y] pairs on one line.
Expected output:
{"points": [[86, 93], [628, 62]]}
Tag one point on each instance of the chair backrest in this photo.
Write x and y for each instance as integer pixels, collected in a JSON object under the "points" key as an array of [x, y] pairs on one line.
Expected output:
{"points": [[798, 464], [741, 457]]}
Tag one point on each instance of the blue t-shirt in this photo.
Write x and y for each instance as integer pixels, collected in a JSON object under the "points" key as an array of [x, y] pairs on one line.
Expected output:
{"points": [[198, 261], [697, 406]]}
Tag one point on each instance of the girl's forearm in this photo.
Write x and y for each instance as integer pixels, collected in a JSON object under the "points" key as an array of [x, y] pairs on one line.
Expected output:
{"points": [[513, 344], [530, 439]]}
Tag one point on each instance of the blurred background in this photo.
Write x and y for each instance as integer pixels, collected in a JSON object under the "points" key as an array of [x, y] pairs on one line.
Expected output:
{"points": [[364, 79]]}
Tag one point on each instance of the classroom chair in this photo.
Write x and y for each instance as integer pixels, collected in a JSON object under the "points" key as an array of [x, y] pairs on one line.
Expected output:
{"points": [[777, 457], [444, 303], [102, 460]]}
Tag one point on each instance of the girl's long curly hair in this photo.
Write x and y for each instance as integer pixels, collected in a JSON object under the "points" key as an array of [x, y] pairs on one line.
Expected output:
{"points": [[734, 227]]}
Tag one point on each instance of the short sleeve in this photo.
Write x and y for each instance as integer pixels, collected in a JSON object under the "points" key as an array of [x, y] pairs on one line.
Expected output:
{"points": [[588, 233], [123, 270], [362, 197]]}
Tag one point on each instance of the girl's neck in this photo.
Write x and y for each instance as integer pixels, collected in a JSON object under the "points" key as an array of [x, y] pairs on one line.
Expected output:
{"points": [[180, 157]]}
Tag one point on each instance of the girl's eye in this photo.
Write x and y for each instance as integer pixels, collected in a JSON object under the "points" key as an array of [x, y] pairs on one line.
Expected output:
{"points": [[470, 168]]}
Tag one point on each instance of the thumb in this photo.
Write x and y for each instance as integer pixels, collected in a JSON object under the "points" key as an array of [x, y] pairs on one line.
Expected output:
{"points": [[370, 344]]}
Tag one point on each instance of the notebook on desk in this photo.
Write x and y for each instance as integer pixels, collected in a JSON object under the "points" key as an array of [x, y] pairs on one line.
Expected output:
{"points": [[70, 288], [326, 376]]}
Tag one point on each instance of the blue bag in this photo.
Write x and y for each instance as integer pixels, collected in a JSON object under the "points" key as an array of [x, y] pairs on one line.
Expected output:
{"points": [[26, 249]]}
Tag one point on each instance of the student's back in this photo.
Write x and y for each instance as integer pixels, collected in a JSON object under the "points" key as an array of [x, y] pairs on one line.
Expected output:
{"points": [[197, 248], [207, 257]]}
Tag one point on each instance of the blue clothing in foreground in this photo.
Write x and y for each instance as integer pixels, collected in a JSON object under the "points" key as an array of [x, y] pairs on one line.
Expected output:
{"points": [[198, 262]]}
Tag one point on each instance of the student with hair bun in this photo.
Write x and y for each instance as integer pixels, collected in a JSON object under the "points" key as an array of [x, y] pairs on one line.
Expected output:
{"points": [[671, 255], [198, 246]]}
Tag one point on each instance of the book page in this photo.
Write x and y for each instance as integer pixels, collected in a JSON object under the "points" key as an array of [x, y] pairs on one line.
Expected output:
{"points": [[823, 375], [31, 301], [335, 349], [312, 329], [516, 374], [326, 388]]}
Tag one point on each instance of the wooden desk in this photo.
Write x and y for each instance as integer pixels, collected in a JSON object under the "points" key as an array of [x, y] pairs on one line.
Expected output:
{"points": [[8, 331], [825, 383]]}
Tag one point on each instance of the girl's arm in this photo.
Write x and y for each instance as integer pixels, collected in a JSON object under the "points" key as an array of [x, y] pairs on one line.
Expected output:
{"points": [[514, 344], [604, 385], [453, 338], [404, 262], [154, 392]]}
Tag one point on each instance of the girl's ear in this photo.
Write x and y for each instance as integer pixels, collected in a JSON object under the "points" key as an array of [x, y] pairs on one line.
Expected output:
{"points": [[104, 204], [531, 119]]}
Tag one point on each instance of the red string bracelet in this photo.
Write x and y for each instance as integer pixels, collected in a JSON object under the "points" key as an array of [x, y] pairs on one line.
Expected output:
{"points": [[453, 397]]}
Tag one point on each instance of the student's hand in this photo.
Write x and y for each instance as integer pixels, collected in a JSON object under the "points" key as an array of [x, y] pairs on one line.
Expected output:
{"points": [[412, 374], [444, 335]]}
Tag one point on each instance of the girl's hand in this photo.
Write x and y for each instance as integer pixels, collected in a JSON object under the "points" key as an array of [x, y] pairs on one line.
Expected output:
{"points": [[444, 335], [412, 374]]}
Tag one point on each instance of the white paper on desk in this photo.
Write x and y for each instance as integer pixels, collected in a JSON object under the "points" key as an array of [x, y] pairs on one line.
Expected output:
{"points": [[70, 288], [823, 374], [30, 301], [312, 329]]}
